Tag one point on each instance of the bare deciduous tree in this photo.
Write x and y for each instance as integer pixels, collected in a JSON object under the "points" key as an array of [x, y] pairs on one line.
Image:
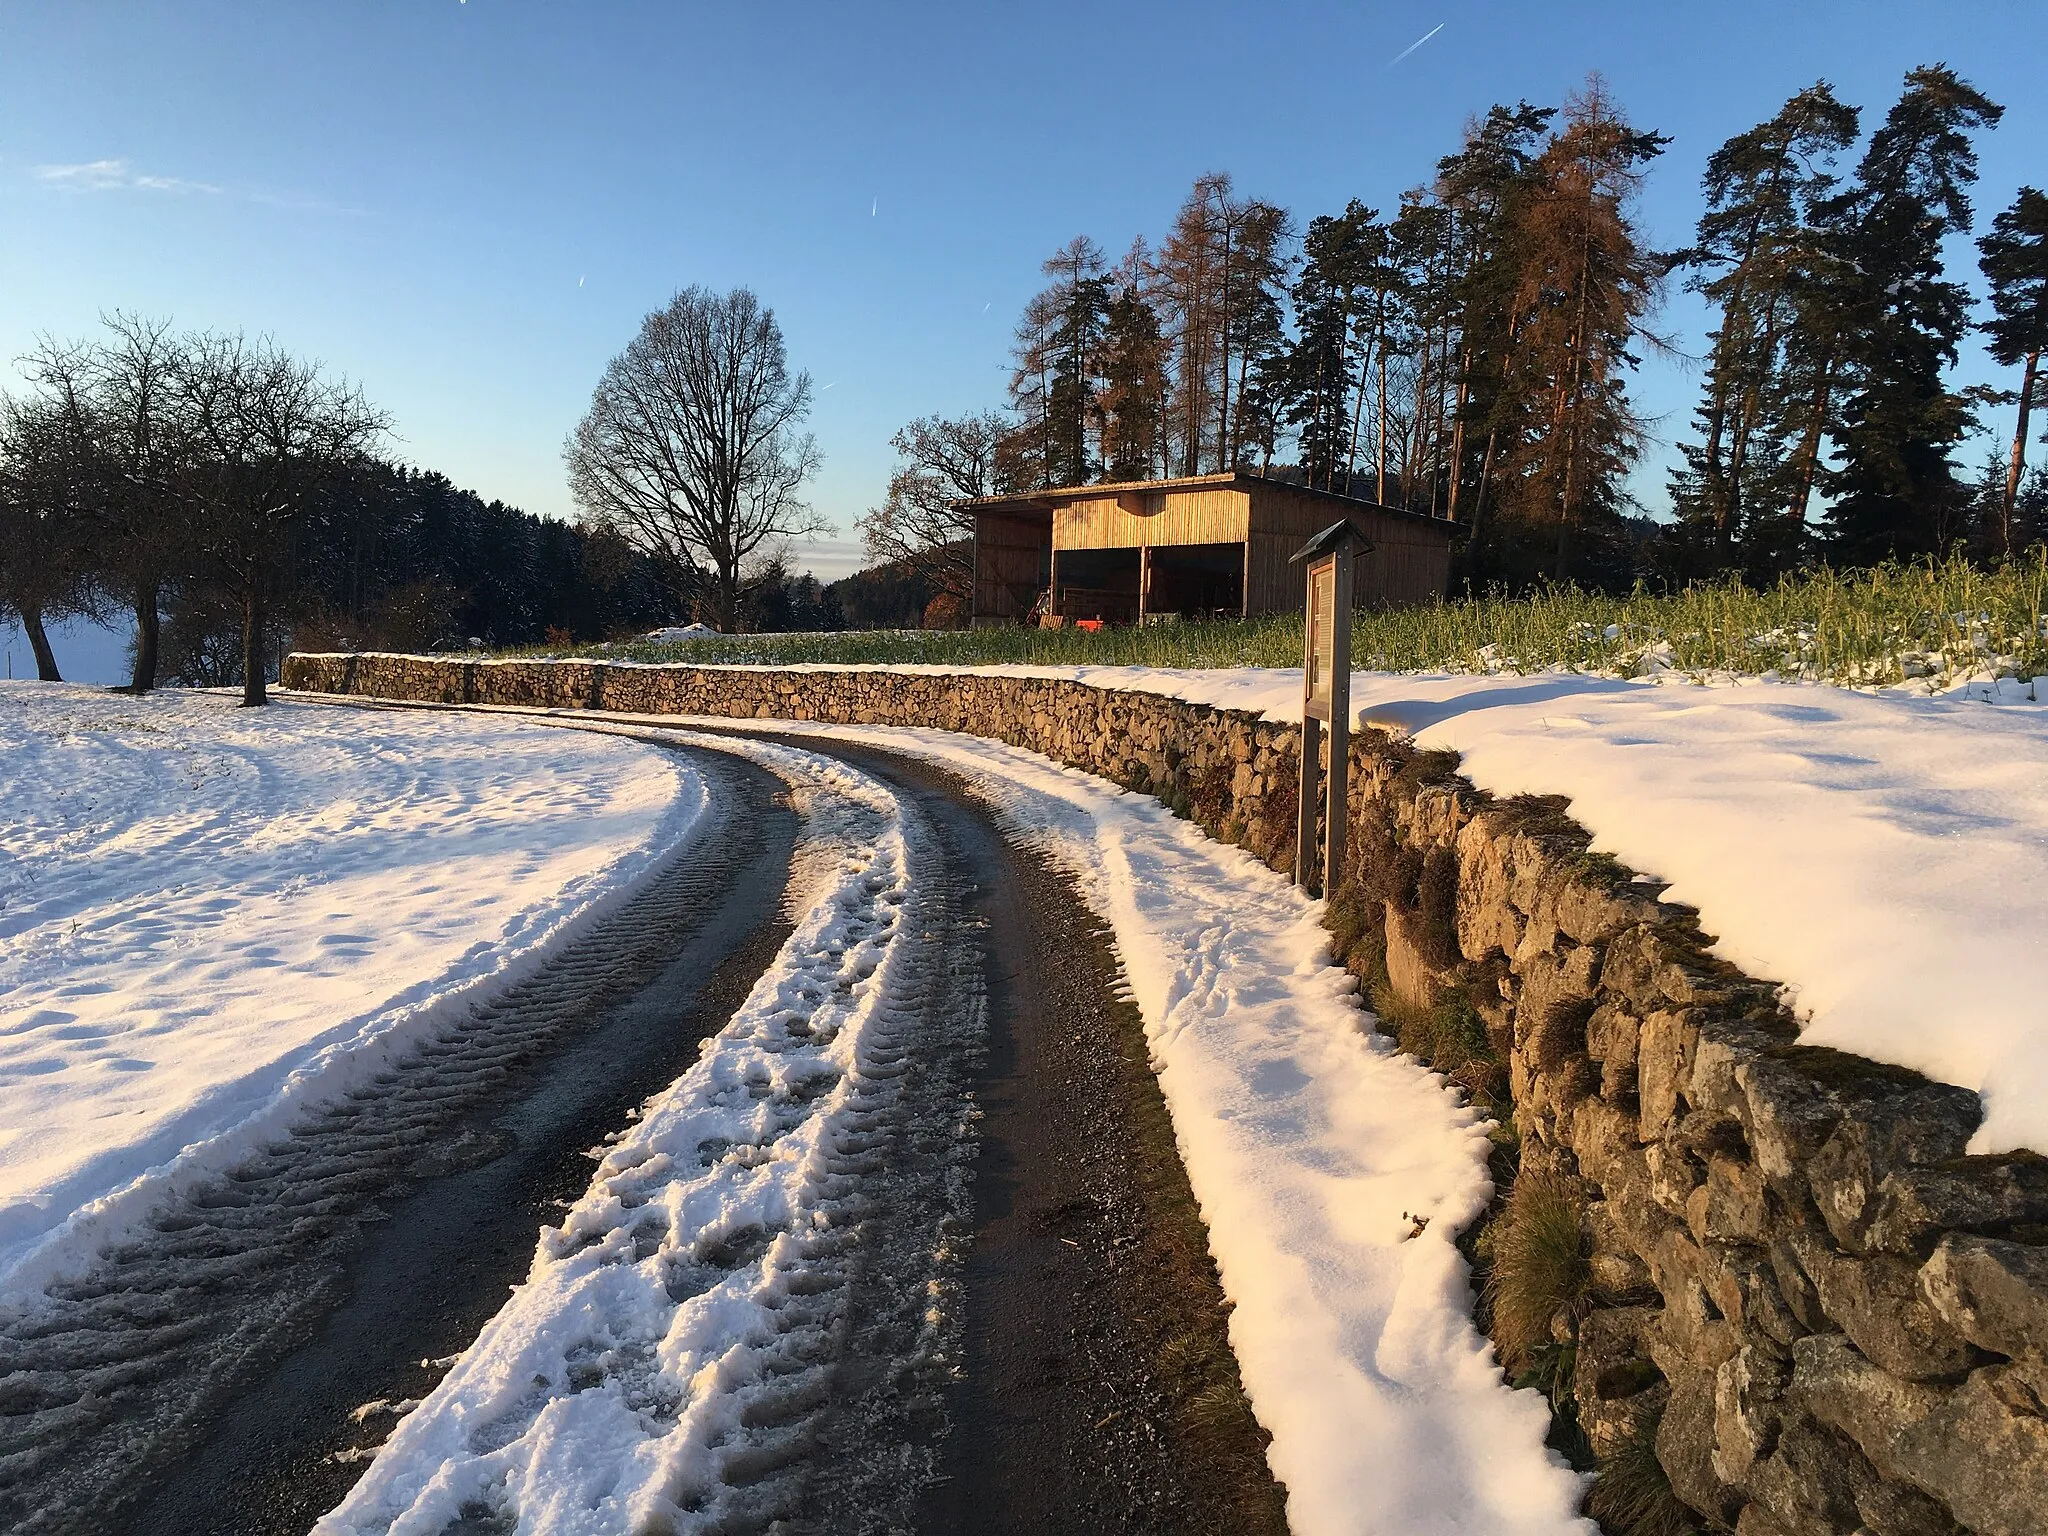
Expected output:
{"points": [[270, 430], [693, 450], [940, 463], [42, 558], [143, 446]]}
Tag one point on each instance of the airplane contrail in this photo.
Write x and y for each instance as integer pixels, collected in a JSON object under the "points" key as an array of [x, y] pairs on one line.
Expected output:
{"points": [[1432, 32]]}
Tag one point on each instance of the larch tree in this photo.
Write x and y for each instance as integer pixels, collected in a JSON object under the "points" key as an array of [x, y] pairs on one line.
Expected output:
{"points": [[1218, 279], [1187, 284], [1895, 492], [693, 449], [940, 462], [1587, 284], [1755, 248], [2014, 257]]}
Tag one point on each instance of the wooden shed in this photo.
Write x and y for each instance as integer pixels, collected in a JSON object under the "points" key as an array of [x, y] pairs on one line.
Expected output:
{"points": [[1208, 546]]}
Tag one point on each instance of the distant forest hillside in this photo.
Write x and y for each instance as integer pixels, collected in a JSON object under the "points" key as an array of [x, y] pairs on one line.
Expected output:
{"points": [[404, 558]]}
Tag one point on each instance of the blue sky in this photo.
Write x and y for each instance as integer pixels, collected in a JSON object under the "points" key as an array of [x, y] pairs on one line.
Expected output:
{"points": [[468, 206]]}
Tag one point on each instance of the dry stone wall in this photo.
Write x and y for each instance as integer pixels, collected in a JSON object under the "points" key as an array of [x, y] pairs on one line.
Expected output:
{"points": [[1799, 1305]]}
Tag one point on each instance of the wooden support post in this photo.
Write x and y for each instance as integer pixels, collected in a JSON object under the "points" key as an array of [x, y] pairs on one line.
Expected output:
{"points": [[1306, 807], [1324, 804], [1336, 815], [1144, 581]]}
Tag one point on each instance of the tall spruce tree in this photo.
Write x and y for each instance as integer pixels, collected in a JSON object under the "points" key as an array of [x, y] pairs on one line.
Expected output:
{"points": [[1756, 246], [2015, 263], [1895, 492], [1340, 257], [1135, 380], [1484, 184], [1054, 386]]}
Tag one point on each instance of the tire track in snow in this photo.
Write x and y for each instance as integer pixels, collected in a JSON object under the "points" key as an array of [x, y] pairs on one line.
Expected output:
{"points": [[747, 1322], [108, 1377]]}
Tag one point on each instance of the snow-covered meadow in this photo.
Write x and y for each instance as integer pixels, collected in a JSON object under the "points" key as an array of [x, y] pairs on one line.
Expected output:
{"points": [[209, 915]]}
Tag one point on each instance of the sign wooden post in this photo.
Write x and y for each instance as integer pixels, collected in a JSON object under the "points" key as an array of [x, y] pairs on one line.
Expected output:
{"points": [[1326, 709]]}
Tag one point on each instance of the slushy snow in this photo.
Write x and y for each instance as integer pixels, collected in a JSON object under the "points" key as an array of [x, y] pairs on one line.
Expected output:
{"points": [[622, 1387], [209, 916], [1334, 1174]]}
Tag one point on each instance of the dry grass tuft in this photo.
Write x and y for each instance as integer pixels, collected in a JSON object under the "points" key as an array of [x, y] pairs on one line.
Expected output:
{"points": [[1541, 1276], [1632, 1493]]}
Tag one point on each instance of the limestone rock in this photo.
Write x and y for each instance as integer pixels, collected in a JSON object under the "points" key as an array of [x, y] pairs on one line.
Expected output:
{"points": [[1932, 1123], [1747, 1391], [1985, 1195], [1685, 1446], [1877, 1301], [1993, 1293]]}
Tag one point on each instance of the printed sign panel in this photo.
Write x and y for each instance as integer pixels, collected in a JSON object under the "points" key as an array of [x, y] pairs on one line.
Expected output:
{"points": [[1322, 629]]}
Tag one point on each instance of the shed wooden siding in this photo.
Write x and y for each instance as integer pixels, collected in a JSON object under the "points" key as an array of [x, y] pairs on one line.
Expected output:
{"points": [[1270, 520], [1010, 559], [1211, 516], [1410, 562]]}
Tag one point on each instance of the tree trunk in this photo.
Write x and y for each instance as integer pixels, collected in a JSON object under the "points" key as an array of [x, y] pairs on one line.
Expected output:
{"points": [[1358, 411], [46, 659], [1458, 430], [1809, 448], [1381, 492], [147, 626], [2019, 452], [253, 690], [1472, 561]]}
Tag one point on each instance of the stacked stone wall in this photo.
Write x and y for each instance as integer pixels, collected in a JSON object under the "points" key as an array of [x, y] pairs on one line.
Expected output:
{"points": [[1803, 1301]]}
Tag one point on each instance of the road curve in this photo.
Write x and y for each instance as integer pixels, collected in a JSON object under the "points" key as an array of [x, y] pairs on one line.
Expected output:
{"points": [[230, 1370]]}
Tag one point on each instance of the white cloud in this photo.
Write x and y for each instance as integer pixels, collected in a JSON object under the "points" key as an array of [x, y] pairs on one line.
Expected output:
{"points": [[115, 176]]}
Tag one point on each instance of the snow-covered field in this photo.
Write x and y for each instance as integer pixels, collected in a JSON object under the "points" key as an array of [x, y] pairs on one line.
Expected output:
{"points": [[1882, 854], [209, 915]]}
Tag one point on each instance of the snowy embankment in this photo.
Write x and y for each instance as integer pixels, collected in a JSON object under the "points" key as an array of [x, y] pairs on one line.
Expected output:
{"points": [[1333, 1172], [1880, 854], [210, 917]]}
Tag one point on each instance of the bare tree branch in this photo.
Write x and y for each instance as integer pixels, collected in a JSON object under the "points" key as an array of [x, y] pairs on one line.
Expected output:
{"points": [[692, 450]]}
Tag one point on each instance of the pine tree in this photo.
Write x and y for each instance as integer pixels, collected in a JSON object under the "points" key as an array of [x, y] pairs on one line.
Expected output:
{"points": [[1895, 493], [2015, 264], [1755, 244]]}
